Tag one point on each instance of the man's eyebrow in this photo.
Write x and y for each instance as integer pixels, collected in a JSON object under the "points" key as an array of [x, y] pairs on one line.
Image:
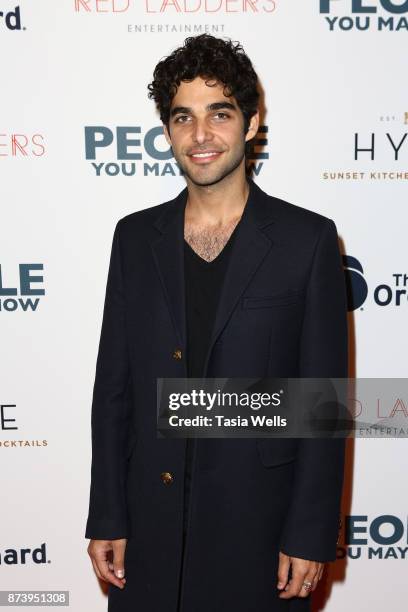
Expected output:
{"points": [[210, 107]]}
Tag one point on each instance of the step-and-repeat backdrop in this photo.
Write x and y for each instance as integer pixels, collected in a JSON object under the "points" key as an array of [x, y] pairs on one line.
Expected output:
{"points": [[81, 145]]}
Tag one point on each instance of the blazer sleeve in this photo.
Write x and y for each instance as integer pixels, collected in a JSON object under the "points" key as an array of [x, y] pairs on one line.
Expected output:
{"points": [[312, 523], [107, 518]]}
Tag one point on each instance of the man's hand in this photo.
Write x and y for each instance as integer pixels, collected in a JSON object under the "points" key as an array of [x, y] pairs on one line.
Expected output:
{"points": [[302, 571], [108, 558]]}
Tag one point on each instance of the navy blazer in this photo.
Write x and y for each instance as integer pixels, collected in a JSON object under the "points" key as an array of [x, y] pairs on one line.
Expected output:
{"points": [[282, 313]]}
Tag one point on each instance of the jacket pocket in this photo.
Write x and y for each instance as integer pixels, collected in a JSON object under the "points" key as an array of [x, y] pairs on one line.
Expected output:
{"points": [[282, 298], [277, 451]]}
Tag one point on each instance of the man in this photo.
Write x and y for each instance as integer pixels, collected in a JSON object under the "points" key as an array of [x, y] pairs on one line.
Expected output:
{"points": [[239, 525]]}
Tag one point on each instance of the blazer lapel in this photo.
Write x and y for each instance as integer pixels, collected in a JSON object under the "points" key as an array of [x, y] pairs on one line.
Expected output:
{"points": [[250, 247], [168, 253]]}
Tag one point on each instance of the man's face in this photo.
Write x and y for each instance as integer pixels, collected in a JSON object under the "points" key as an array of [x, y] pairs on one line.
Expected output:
{"points": [[206, 132]]}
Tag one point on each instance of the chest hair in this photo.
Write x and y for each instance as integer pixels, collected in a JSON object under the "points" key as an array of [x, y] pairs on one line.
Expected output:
{"points": [[208, 241]]}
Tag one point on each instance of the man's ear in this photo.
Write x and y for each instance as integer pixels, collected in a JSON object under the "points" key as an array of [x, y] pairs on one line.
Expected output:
{"points": [[253, 127], [166, 134]]}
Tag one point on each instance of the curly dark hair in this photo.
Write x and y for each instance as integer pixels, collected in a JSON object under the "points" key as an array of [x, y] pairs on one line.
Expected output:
{"points": [[213, 59]]}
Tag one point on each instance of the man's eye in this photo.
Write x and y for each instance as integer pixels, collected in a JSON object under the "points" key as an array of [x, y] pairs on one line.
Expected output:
{"points": [[184, 118], [179, 119]]}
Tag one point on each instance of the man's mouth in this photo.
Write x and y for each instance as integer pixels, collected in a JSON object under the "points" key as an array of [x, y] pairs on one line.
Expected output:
{"points": [[204, 156]]}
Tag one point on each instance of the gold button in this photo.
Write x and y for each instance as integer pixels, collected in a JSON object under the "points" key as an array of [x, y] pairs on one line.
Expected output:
{"points": [[166, 477], [177, 354]]}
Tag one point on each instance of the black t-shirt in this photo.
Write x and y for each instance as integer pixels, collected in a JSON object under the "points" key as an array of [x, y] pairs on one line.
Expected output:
{"points": [[203, 282]]}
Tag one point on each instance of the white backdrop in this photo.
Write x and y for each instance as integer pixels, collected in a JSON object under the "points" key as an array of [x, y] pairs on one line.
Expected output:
{"points": [[76, 64]]}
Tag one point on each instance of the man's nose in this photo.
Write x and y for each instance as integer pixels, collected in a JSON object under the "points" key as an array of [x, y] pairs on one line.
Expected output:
{"points": [[202, 131]]}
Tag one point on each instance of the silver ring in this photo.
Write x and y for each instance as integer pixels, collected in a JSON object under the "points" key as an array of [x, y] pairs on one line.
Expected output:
{"points": [[307, 586]]}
